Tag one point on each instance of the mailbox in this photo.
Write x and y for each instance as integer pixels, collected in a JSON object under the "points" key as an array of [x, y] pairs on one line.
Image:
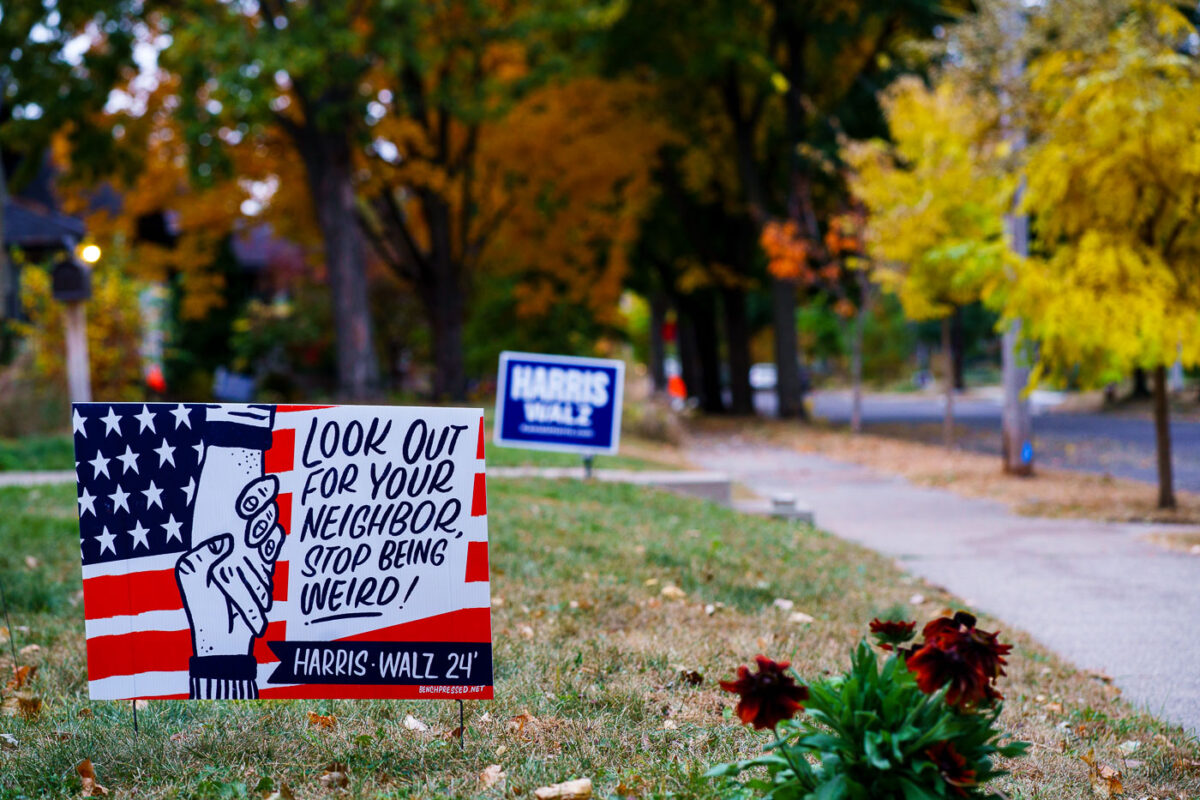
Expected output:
{"points": [[71, 280]]}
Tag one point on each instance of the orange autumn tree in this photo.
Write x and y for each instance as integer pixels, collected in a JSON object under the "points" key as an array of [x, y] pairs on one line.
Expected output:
{"points": [[479, 159]]}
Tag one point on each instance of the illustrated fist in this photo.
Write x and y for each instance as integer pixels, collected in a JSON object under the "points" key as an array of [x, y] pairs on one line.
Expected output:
{"points": [[226, 580]]}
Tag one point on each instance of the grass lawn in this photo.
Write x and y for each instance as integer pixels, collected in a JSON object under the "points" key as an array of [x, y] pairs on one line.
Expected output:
{"points": [[593, 663], [37, 453]]}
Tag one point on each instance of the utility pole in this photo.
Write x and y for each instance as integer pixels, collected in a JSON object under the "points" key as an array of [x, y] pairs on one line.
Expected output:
{"points": [[1016, 421]]}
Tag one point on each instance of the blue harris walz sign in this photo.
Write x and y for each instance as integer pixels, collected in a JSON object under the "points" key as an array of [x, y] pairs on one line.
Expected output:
{"points": [[559, 403]]}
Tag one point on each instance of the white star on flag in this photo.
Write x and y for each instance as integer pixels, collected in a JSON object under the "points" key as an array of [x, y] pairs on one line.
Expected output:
{"points": [[153, 496], [100, 465], [139, 535], [87, 502], [145, 419], [172, 528], [128, 460], [190, 489], [181, 416], [106, 541], [112, 422], [165, 453], [77, 423], [199, 448], [120, 499]]}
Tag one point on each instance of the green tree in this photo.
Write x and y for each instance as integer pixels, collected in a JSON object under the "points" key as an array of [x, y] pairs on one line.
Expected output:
{"points": [[61, 60], [1114, 185], [775, 83], [936, 199], [248, 69]]}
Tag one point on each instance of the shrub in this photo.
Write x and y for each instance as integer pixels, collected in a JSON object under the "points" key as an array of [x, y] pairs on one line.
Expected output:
{"points": [[920, 726]]}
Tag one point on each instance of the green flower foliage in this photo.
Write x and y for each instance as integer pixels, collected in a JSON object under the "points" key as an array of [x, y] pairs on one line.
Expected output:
{"points": [[872, 734]]}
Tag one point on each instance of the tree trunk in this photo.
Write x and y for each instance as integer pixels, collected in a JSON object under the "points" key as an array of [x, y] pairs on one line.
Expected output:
{"points": [[445, 305], [327, 160], [788, 385], [444, 309], [1141, 385], [737, 339], [658, 350], [1162, 436], [708, 352], [856, 356], [948, 366], [959, 346], [7, 283], [689, 360]]}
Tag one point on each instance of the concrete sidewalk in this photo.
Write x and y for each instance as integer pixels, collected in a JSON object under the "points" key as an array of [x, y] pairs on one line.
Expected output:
{"points": [[1093, 592], [44, 478]]}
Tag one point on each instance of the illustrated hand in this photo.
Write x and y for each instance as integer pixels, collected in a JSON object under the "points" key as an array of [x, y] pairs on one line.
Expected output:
{"points": [[226, 579]]}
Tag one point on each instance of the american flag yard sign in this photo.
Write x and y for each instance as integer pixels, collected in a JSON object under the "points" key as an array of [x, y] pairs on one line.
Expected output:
{"points": [[245, 551]]}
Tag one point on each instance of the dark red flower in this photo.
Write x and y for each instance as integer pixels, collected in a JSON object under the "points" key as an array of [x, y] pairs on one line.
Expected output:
{"points": [[892, 633], [768, 696], [958, 655], [952, 766]]}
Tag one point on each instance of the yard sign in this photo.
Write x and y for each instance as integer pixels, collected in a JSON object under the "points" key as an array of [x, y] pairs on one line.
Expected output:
{"points": [[242, 551], [559, 403]]}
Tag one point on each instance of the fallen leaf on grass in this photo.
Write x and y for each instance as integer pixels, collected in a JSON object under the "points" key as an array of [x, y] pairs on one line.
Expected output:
{"points": [[669, 725], [21, 676], [783, 604], [800, 618], [1106, 781], [4, 634], [335, 776], [525, 631], [87, 774], [31, 562], [84, 713], [25, 705], [578, 789], [414, 724], [491, 775], [673, 592], [320, 721], [30, 649], [690, 676], [8, 741], [518, 723], [178, 737], [30, 706], [284, 793]]}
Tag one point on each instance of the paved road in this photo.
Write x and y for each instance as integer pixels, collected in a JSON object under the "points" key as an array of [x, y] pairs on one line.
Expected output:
{"points": [[1119, 445], [1092, 592]]}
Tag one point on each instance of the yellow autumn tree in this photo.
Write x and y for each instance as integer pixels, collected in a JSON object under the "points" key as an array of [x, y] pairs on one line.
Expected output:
{"points": [[935, 200], [1114, 187]]}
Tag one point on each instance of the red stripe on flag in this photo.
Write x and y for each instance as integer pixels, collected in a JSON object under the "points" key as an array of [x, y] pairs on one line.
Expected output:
{"points": [[284, 501], [288, 409], [464, 625], [479, 450], [281, 456], [279, 582], [479, 496], [477, 562], [110, 595], [130, 653]]}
